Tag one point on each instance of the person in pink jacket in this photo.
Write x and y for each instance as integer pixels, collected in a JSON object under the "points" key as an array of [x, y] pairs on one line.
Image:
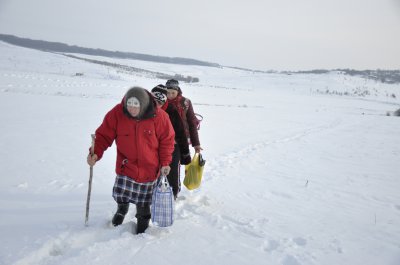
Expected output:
{"points": [[144, 139]]}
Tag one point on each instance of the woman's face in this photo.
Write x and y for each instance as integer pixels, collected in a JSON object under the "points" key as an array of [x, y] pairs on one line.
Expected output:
{"points": [[172, 93], [133, 106], [134, 111]]}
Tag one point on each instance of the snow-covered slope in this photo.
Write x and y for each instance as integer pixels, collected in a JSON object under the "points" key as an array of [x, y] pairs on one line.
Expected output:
{"points": [[294, 175]]}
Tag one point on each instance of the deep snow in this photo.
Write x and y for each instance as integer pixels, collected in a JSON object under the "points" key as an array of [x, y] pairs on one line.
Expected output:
{"points": [[294, 175]]}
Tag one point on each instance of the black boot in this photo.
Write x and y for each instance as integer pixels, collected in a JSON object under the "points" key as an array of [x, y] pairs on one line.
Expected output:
{"points": [[143, 216], [120, 214], [142, 225]]}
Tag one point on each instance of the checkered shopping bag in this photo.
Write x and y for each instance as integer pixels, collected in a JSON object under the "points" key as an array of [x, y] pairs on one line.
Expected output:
{"points": [[162, 206]]}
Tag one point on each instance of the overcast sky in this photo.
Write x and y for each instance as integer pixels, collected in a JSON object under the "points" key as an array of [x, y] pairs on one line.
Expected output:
{"points": [[256, 34]]}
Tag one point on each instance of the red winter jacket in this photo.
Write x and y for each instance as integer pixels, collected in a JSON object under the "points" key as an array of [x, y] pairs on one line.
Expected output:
{"points": [[143, 146], [185, 109]]}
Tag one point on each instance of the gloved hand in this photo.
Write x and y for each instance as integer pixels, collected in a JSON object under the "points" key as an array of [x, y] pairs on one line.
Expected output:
{"points": [[186, 159]]}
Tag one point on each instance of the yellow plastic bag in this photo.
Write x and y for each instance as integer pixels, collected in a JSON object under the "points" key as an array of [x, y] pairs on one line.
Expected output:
{"points": [[194, 172]]}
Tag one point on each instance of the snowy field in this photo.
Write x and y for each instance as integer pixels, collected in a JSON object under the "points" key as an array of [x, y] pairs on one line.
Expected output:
{"points": [[294, 174]]}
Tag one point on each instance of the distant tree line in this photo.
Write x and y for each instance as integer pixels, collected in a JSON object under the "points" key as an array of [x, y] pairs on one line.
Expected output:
{"points": [[384, 76], [65, 48], [188, 79], [134, 70]]}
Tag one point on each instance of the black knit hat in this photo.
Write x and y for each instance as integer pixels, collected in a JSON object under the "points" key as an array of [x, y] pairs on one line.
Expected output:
{"points": [[160, 88], [172, 84], [141, 95], [160, 97]]}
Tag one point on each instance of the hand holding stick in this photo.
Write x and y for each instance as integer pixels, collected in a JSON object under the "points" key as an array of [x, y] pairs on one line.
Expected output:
{"points": [[90, 181]]}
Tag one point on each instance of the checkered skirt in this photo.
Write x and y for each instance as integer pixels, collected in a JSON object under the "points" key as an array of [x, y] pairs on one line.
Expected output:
{"points": [[127, 190]]}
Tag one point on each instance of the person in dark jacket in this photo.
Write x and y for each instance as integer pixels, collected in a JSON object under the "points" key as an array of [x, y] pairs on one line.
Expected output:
{"points": [[185, 110], [145, 141], [181, 154]]}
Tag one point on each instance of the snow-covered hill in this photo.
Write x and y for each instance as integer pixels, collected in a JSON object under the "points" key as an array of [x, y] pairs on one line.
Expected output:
{"points": [[294, 174]]}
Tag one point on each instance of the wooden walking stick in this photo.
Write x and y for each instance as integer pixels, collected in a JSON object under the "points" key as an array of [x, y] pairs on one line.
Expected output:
{"points": [[90, 182]]}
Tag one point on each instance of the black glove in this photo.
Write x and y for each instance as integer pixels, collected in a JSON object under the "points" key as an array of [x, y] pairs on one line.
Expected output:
{"points": [[186, 159]]}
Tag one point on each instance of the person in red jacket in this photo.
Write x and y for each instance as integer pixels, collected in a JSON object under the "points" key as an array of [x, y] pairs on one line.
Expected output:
{"points": [[145, 141], [185, 109], [181, 154]]}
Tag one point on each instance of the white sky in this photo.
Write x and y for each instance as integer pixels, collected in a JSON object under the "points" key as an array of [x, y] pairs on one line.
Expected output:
{"points": [[257, 34]]}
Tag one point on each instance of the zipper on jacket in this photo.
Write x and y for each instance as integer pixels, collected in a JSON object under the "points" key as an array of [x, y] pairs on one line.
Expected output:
{"points": [[137, 147]]}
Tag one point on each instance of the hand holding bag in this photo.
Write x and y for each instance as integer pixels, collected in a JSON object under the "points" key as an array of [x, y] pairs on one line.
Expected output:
{"points": [[194, 172], [162, 207]]}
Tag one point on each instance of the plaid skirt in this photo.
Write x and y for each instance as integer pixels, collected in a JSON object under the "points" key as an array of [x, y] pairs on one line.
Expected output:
{"points": [[127, 190]]}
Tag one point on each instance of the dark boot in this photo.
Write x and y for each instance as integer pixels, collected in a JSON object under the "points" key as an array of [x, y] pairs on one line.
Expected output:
{"points": [[120, 214], [143, 216], [142, 225]]}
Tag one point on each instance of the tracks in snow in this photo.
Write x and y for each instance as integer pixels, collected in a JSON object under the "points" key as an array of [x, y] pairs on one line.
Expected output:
{"points": [[193, 211], [235, 158]]}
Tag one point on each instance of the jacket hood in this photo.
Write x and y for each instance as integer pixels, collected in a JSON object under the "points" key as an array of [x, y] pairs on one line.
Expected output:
{"points": [[147, 103]]}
